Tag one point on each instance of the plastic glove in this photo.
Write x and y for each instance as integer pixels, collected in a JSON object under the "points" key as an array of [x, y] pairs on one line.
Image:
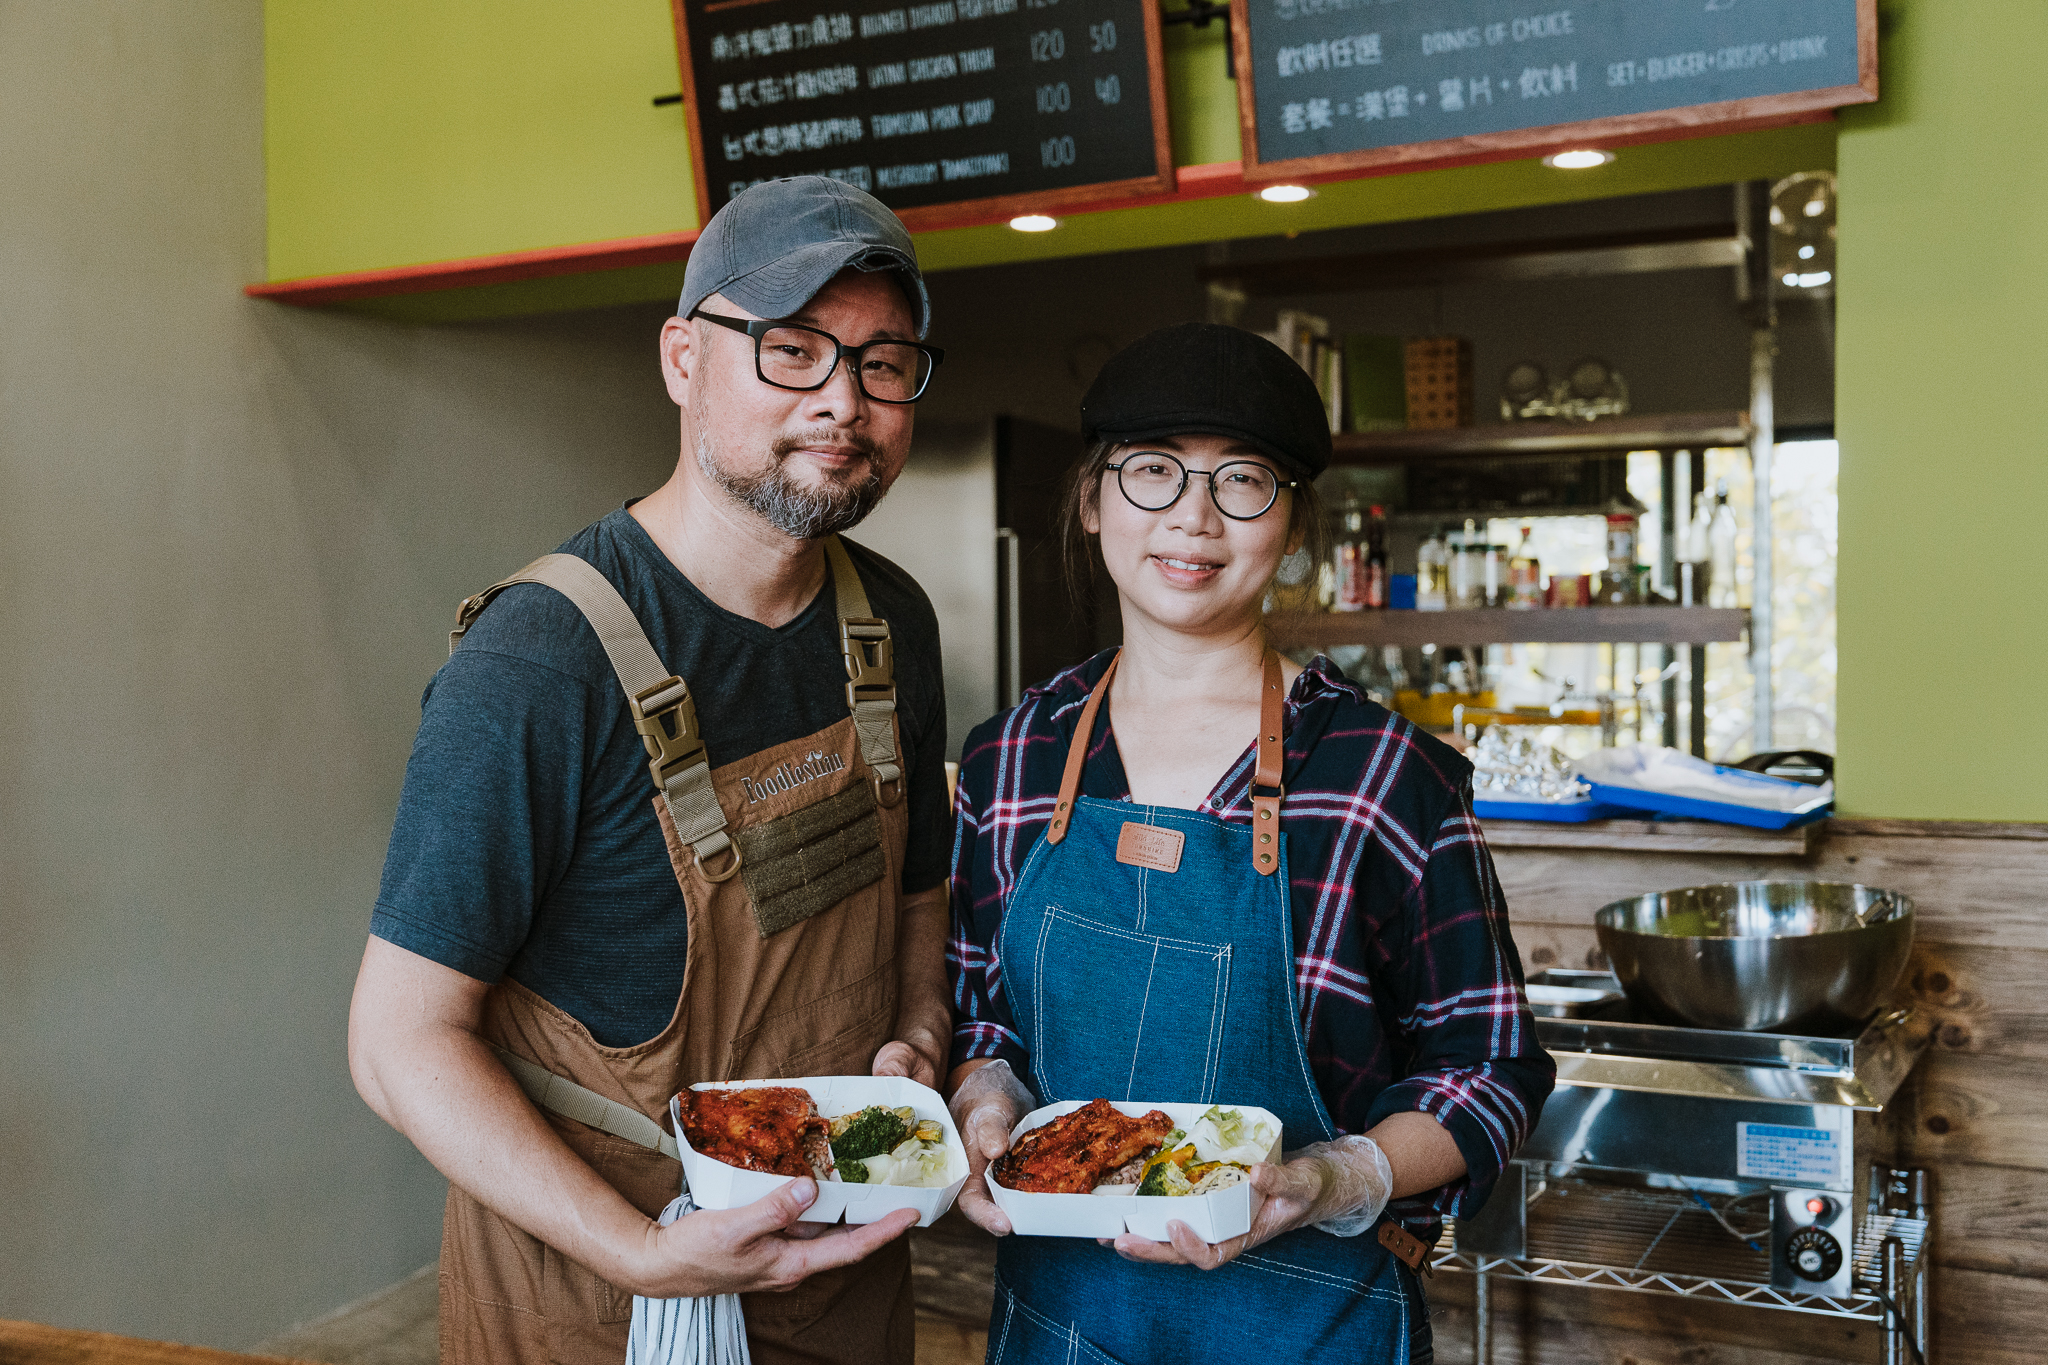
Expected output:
{"points": [[1341, 1187], [985, 1108], [1358, 1181]]}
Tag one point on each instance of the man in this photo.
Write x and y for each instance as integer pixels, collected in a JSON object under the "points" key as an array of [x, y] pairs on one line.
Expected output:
{"points": [[771, 903]]}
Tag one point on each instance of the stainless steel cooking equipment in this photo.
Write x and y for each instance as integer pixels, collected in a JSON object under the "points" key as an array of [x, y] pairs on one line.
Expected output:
{"points": [[1782, 957], [1717, 1164]]}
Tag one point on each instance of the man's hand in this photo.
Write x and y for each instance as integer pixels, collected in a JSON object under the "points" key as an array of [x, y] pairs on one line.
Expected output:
{"points": [[924, 1019], [988, 1099], [754, 1248], [916, 1056]]}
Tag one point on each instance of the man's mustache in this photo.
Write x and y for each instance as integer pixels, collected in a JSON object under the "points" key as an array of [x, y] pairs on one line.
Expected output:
{"points": [[785, 446]]}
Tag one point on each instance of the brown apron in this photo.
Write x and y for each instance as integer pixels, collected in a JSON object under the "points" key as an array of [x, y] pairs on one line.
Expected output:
{"points": [[790, 862]]}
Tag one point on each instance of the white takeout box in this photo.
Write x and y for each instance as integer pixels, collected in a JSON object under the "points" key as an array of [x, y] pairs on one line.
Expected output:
{"points": [[1215, 1217], [715, 1185]]}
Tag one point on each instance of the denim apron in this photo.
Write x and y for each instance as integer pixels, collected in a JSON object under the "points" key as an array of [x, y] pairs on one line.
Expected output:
{"points": [[1149, 955]]}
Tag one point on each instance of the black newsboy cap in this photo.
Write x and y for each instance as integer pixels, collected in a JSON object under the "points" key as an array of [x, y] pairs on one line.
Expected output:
{"points": [[1204, 378]]}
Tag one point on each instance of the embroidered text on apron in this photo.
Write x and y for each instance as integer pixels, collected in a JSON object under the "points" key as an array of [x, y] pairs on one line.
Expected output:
{"points": [[790, 862], [1149, 955]]}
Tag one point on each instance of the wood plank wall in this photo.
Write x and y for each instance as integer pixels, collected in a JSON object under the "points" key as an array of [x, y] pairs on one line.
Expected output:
{"points": [[1976, 1110]]}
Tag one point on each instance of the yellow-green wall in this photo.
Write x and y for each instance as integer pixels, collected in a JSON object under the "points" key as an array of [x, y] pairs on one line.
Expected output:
{"points": [[401, 133], [1943, 336]]}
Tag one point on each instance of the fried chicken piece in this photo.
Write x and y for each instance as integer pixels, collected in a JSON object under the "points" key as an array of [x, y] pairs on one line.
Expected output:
{"points": [[1073, 1153], [775, 1128]]}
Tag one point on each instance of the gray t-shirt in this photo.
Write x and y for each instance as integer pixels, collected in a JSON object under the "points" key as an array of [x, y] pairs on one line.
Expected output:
{"points": [[526, 842]]}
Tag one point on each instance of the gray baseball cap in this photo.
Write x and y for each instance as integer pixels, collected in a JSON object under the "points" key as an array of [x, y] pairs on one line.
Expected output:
{"points": [[777, 244]]}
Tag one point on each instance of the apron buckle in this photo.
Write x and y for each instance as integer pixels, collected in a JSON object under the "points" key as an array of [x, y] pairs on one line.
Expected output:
{"points": [[870, 659], [667, 701]]}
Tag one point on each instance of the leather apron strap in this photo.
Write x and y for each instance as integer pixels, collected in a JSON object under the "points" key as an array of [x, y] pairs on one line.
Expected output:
{"points": [[1267, 793]]}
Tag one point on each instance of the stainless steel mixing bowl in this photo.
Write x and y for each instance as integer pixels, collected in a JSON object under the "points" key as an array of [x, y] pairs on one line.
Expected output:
{"points": [[1772, 957]]}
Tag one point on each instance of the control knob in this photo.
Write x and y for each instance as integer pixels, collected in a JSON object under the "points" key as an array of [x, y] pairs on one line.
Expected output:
{"points": [[1813, 1255]]}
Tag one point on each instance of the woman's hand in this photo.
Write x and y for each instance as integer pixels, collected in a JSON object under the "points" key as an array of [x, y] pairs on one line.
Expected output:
{"points": [[986, 1105], [1346, 1183]]}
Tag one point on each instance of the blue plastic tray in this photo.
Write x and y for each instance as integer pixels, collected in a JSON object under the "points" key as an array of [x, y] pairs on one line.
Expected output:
{"points": [[1560, 812], [1634, 799]]}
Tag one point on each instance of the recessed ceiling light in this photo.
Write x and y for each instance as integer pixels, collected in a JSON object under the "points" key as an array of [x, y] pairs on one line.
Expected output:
{"points": [[1286, 194], [1034, 222], [1579, 159], [1806, 253]]}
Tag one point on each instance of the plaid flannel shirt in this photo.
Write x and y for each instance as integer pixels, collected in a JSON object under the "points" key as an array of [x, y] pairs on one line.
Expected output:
{"points": [[1410, 987]]}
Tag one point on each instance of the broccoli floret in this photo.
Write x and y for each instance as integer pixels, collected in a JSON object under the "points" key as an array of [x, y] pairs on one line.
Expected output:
{"points": [[874, 1130], [852, 1171], [1163, 1174]]}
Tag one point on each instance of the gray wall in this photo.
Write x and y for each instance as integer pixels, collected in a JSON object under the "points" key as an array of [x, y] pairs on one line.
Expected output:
{"points": [[231, 537]]}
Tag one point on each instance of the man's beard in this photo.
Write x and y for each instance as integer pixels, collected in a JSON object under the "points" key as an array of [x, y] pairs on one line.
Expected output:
{"points": [[798, 512]]}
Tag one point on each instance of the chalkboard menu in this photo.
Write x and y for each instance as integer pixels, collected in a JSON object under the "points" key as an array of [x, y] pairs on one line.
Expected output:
{"points": [[1004, 106], [1337, 85]]}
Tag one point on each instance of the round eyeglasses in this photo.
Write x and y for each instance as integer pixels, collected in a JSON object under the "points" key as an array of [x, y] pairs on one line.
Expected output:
{"points": [[1242, 490], [790, 355]]}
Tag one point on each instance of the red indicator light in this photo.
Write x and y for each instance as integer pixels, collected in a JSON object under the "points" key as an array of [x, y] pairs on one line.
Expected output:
{"points": [[1816, 1206]]}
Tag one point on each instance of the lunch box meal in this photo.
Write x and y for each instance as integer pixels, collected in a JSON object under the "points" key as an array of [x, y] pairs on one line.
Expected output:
{"points": [[1064, 1159], [873, 1144], [777, 1128]]}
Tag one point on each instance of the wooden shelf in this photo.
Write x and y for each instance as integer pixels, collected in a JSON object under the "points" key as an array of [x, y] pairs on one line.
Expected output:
{"points": [[1611, 435], [1655, 836], [1492, 626]]}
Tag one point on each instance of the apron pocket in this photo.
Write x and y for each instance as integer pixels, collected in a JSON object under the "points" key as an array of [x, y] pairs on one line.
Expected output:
{"points": [[1020, 1335], [811, 859], [804, 1041], [1158, 1018]]}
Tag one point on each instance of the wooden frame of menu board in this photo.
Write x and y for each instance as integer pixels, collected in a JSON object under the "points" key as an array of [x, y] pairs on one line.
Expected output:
{"points": [[1622, 130], [965, 212]]}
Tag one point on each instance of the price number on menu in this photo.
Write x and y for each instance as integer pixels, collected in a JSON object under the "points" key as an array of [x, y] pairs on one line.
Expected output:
{"points": [[1048, 45], [1056, 151], [1108, 89], [1055, 99], [1102, 36]]}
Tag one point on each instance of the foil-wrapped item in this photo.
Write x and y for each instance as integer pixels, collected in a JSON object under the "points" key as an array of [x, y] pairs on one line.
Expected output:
{"points": [[1510, 762]]}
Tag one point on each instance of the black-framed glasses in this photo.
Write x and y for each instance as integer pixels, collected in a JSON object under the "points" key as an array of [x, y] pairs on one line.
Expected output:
{"points": [[790, 355], [1243, 490]]}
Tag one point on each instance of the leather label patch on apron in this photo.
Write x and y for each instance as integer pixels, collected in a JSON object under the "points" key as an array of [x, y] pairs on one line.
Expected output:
{"points": [[811, 859], [1149, 846]]}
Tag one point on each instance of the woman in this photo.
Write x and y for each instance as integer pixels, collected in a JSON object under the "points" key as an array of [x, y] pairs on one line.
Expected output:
{"points": [[1309, 924]]}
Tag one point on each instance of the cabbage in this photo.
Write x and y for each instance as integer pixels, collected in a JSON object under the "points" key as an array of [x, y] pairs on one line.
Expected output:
{"points": [[881, 1166], [1231, 1135], [917, 1165]]}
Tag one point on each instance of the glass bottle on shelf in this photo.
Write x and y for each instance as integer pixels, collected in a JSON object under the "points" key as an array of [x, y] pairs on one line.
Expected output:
{"points": [[1721, 551], [1350, 558], [1493, 576], [1431, 587], [1525, 576], [1376, 582], [1618, 584], [1467, 556], [1694, 555]]}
